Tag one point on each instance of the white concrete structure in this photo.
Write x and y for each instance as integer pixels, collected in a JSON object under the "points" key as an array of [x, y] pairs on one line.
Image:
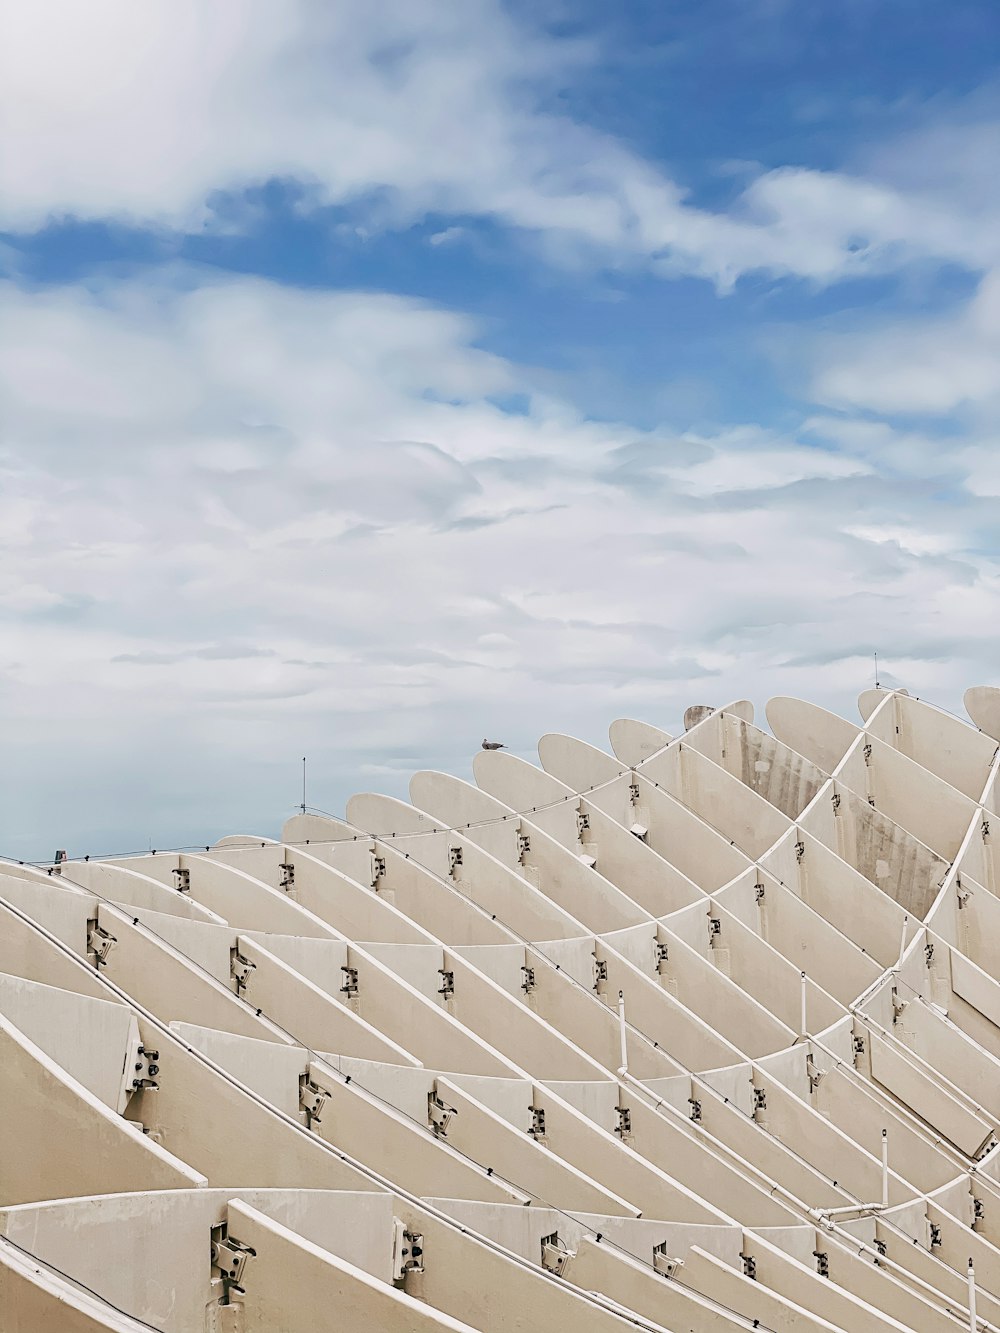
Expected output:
{"points": [[701, 1034]]}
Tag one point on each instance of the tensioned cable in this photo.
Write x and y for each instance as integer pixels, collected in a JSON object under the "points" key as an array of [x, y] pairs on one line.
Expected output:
{"points": [[444, 828], [75, 1282], [495, 820], [890, 1222], [501, 819], [623, 1312]]}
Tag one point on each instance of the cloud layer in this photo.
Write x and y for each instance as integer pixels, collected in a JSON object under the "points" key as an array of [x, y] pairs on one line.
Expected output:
{"points": [[408, 108], [242, 522]]}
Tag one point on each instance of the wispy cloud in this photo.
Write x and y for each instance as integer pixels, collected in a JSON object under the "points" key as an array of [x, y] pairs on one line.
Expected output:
{"points": [[153, 113]]}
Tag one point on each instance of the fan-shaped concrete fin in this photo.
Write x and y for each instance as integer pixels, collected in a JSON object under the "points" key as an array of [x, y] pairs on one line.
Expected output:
{"points": [[634, 741], [982, 703]]}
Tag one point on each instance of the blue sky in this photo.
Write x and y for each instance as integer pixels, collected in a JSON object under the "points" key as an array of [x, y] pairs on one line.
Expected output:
{"points": [[381, 375]]}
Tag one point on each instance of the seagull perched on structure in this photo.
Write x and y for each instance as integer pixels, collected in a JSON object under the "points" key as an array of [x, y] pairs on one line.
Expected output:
{"points": [[492, 745]]}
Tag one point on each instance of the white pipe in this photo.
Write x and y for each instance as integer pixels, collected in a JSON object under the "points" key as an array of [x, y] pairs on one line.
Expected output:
{"points": [[621, 1031], [885, 1168], [803, 1027], [902, 939], [824, 1214], [973, 1321]]}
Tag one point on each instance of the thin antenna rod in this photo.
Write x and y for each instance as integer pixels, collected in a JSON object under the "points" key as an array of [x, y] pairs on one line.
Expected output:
{"points": [[876, 669], [973, 1321], [621, 1032], [303, 784]]}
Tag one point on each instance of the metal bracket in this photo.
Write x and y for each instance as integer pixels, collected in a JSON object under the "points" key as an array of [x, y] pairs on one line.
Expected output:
{"points": [[633, 791], [182, 879], [240, 969], [822, 1258], [813, 1074], [454, 860], [664, 1263], [800, 851], [836, 802], [407, 1251], [758, 893], [662, 955], [100, 942], [523, 846], [859, 1046], [378, 869], [145, 1070], [759, 1100], [714, 928], [695, 1105], [555, 1254], [537, 1127], [439, 1114], [978, 1211], [749, 1266], [929, 954], [600, 973], [350, 986], [312, 1099], [287, 880], [528, 984], [229, 1260], [624, 1126], [447, 987], [935, 1236], [582, 824]]}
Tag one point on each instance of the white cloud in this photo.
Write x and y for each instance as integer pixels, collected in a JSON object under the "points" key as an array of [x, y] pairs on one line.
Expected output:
{"points": [[242, 523], [141, 112], [929, 366]]}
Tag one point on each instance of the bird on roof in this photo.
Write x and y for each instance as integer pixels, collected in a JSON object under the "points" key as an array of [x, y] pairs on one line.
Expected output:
{"points": [[492, 745]]}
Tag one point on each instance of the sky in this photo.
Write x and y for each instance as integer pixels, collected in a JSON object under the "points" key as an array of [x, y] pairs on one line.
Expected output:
{"points": [[380, 375]]}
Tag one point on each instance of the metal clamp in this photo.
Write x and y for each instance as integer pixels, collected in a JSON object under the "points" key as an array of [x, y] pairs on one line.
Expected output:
{"points": [[312, 1099], [100, 942], [555, 1254], [439, 1114], [229, 1260]]}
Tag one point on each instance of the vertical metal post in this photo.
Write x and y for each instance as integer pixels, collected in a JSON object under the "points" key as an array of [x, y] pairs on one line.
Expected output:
{"points": [[885, 1168], [973, 1322], [902, 938], [303, 784], [621, 1032], [803, 1025]]}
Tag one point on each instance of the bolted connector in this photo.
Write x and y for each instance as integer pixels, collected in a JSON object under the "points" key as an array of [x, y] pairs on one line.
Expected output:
{"points": [[439, 1114], [555, 1254], [407, 1251], [240, 969], [100, 942], [537, 1127]]}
